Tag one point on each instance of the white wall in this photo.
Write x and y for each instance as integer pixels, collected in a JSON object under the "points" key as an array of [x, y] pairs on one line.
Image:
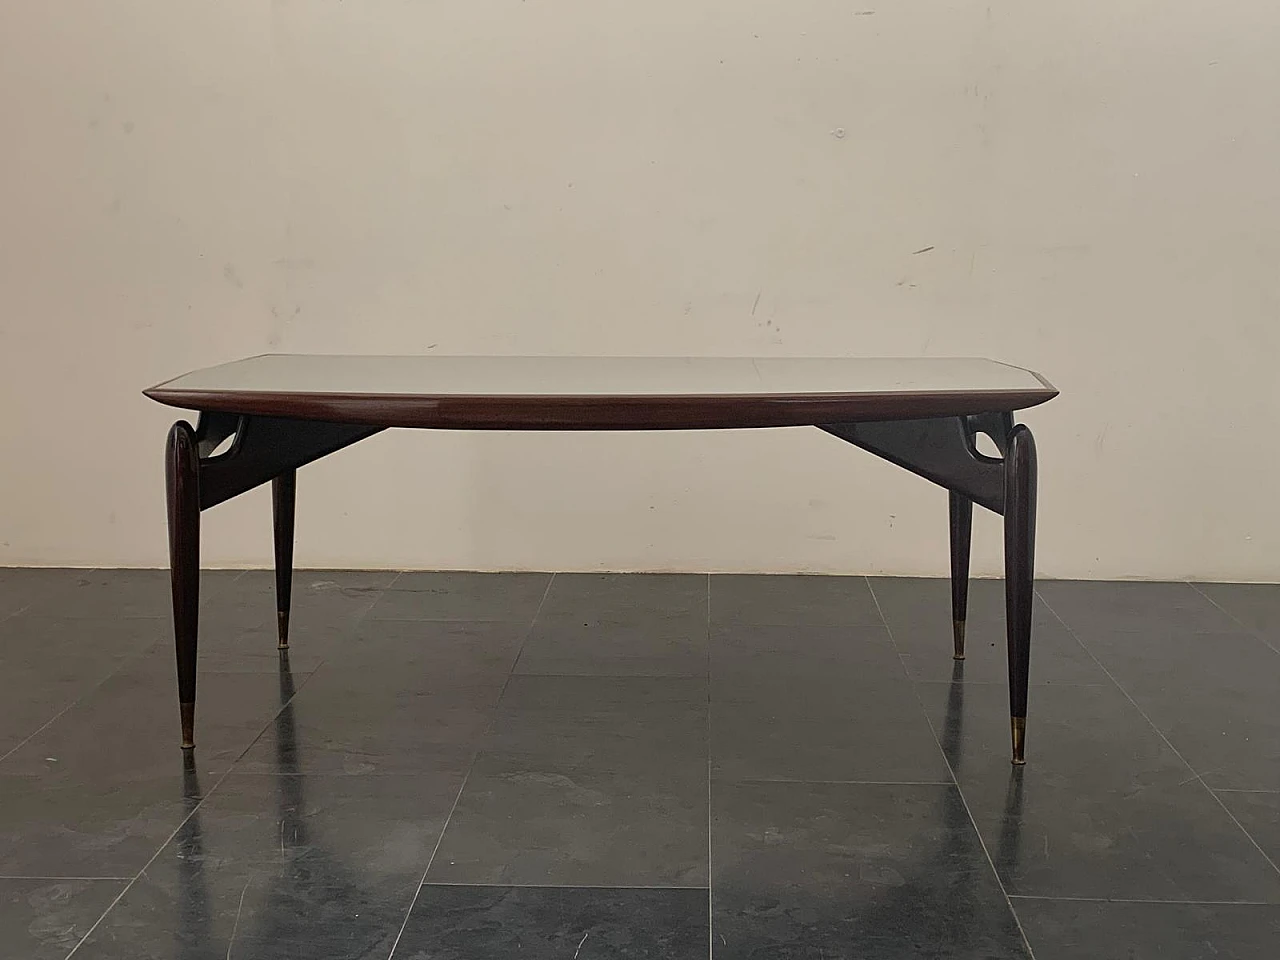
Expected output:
{"points": [[182, 183]]}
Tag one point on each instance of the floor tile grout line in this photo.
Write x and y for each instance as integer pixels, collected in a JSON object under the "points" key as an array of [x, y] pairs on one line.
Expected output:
{"points": [[563, 886], [1168, 743], [853, 783], [1034, 685], [884, 621], [1251, 630], [1189, 903], [982, 842], [1236, 821], [355, 626], [955, 781], [62, 879], [430, 860], [524, 640], [511, 674], [400, 574], [270, 722], [1243, 790], [609, 676], [41, 728], [21, 610], [329, 775], [154, 857], [711, 904], [125, 661], [321, 662], [467, 776], [892, 639], [445, 620]]}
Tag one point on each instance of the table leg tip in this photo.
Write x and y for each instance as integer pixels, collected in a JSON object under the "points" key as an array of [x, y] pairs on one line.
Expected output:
{"points": [[957, 635], [1018, 726], [188, 711]]}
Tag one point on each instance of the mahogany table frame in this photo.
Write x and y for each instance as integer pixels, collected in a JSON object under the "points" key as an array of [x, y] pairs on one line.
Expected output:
{"points": [[930, 433]]}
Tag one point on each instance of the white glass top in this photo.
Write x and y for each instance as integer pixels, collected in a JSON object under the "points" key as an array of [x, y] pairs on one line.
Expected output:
{"points": [[444, 376]]}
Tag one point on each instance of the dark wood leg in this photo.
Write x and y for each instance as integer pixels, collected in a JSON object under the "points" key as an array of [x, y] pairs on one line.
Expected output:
{"points": [[283, 497], [1019, 566], [961, 536], [182, 484]]}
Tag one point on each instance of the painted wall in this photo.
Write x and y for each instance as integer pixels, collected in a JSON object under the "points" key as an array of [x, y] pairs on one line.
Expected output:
{"points": [[183, 183]]}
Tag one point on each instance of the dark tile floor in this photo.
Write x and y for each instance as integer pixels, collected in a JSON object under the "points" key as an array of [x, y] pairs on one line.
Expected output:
{"points": [[469, 767]]}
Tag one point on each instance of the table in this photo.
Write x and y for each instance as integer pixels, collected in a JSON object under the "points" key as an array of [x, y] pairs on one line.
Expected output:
{"points": [[281, 412]]}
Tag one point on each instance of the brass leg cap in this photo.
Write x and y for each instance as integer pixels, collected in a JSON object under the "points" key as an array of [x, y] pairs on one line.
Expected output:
{"points": [[1019, 728], [957, 634], [282, 626], [188, 711]]}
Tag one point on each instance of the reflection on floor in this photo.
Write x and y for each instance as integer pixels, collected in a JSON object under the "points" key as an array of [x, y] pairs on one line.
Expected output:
{"points": [[452, 766]]}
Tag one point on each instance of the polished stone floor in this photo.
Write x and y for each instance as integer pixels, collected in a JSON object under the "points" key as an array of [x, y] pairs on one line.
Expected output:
{"points": [[474, 767]]}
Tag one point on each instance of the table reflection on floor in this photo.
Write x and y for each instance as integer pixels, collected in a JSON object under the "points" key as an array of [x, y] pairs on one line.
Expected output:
{"points": [[301, 893]]}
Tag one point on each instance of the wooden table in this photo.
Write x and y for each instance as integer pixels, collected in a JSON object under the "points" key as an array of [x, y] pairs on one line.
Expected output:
{"points": [[282, 412]]}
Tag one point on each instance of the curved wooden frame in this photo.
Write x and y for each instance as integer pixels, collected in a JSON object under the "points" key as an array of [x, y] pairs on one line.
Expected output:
{"points": [[620, 412]]}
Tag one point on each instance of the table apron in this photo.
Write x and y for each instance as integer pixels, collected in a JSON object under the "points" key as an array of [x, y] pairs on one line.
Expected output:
{"points": [[940, 449], [262, 449]]}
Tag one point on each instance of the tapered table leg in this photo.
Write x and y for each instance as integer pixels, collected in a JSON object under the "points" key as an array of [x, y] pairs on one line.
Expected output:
{"points": [[283, 498], [1019, 564], [182, 485], [961, 536]]}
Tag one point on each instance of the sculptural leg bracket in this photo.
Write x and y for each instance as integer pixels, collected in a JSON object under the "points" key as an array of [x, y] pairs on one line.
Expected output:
{"points": [[198, 477], [944, 450]]}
